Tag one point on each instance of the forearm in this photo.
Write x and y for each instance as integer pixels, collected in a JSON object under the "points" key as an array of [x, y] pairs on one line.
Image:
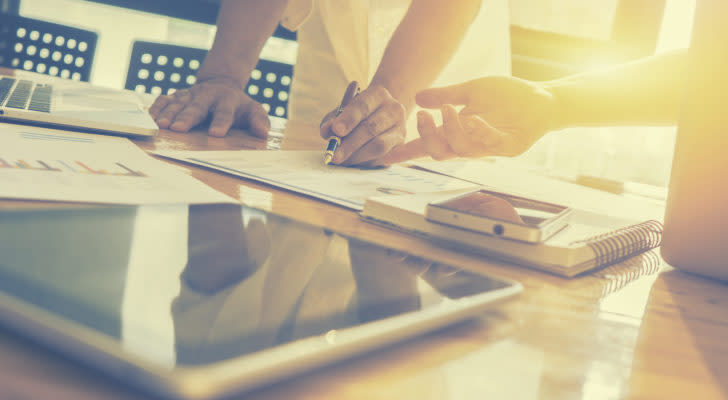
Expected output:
{"points": [[422, 45], [644, 92], [243, 26]]}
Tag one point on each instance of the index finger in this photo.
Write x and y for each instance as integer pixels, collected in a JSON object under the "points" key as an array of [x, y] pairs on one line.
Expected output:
{"points": [[223, 117], [193, 114], [159, 104], [438, 97], [405, 152], [360, 108]]}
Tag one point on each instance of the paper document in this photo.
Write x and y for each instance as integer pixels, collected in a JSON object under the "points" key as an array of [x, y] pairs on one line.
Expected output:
{"points": [[304, 172], [55, 165]]}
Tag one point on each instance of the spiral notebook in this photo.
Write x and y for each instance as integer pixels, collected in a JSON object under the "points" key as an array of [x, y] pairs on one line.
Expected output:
{"points": [[589, 241]]}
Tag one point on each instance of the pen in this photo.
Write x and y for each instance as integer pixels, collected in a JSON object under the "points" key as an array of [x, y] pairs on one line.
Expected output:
{"points": [[335, 141]]}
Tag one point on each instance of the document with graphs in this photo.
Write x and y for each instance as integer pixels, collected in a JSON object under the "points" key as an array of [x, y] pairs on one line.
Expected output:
{"points": [[304, 172], [54, 165]]}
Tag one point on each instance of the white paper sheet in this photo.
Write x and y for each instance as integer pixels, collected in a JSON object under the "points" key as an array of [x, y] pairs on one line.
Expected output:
{"points": [[54, 165], [304, 172]]}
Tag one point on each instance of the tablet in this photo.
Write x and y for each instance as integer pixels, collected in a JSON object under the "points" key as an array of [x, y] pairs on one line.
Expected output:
{"points": [[202, 302]]}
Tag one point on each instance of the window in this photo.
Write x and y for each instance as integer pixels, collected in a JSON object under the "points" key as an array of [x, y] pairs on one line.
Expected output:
{"points": [[120, 22], [117, 29], [553, 38]]}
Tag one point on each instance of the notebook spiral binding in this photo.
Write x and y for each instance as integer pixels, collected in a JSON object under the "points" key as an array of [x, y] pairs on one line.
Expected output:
{"points": [[622, 243], [621, 274]]}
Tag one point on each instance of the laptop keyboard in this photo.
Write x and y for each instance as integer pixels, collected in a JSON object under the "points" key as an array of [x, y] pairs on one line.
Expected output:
{"points": [[25, 90], [5, 85]]}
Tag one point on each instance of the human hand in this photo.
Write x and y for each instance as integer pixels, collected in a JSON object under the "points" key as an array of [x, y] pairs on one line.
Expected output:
{"points": [[370, 126], [503, 116], [223, 98]]}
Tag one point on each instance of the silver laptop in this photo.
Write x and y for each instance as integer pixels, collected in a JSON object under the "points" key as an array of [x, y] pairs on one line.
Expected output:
{"points": [[696, 216], [74, 105]]}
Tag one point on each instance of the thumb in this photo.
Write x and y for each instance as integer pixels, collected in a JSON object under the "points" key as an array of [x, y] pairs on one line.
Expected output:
{"points": [[260, 126], [405, 152], [437, 97], [258, 122]]}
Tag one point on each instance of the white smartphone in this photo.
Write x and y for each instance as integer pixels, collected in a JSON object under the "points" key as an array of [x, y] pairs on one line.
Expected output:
{"points": [[500, 214]]}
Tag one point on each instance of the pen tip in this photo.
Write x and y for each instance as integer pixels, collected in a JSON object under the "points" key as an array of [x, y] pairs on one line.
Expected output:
{"points": [[327, 159]]}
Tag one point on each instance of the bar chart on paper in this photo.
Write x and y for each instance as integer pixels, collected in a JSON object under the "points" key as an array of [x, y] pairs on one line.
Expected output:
{"points": [[45, 164], [72, 166]]}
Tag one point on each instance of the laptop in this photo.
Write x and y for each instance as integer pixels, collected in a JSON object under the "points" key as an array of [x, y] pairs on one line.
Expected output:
{"points": [[696, 215], [73, 105], [207, 301]]}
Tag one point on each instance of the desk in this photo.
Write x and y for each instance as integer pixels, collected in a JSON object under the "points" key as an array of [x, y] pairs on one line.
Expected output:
{"points": [[638, 330]]}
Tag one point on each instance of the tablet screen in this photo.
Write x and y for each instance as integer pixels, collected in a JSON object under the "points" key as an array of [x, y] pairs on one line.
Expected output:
{"points": [[183, 286]]}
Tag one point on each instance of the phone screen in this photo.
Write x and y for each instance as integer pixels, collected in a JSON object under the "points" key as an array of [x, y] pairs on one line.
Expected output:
{"points": [[504, 207]]}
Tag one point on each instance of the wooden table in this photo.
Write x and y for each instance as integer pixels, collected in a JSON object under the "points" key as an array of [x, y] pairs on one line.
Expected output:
{"points": [[637, 330]]}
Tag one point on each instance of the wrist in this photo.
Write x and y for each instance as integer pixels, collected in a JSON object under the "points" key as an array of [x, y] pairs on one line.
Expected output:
{"points": [[224, 79], [225, 66], [398, 93], [558, 109]]}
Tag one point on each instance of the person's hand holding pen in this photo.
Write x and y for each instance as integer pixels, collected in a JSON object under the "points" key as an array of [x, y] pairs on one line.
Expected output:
{"points": [[334, 141], [369, 126]]}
